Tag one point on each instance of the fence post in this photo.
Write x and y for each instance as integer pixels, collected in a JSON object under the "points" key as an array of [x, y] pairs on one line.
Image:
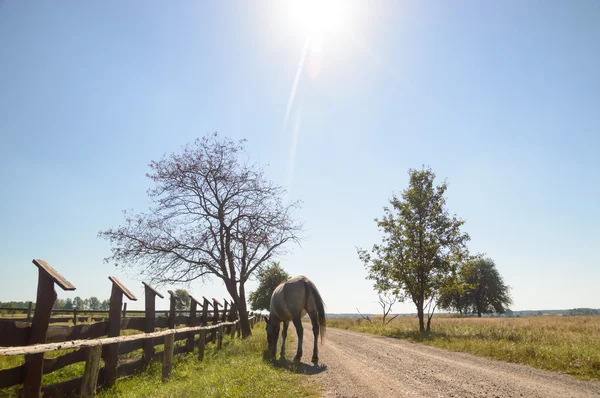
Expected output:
{"points": [[224, 317], [46, 295], [75, 316], [149, 321], [201, 344], [232, 331], [90, 375], [125, 310], [205, 305], [111, 351], [168, 357], [193, 306], [220, 337], [173, 299], [29, 311], [216, 305]]}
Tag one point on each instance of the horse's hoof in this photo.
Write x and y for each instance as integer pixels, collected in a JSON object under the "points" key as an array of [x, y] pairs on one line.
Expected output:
{"points": [[297, 359], [315, 360]]}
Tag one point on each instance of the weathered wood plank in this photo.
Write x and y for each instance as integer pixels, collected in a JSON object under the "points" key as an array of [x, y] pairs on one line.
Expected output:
{"points": [[56, 334], [90, 374], [53, 364], [136, 323], [167, 357], [122, 288], [181, 320], [161, 322], [41, 348], [129, 368], [111, 352], [152, 290], [12, 376], [67, 388], [201, 344], [14, 333], [128, 346], [46, 296], [54, 276]]}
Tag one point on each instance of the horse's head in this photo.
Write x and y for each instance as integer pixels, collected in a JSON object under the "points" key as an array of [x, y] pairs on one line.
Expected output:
{"points": [[272, 332]]}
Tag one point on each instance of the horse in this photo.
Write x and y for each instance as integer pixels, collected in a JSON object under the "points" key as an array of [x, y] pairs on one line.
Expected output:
{"points": [[290, 301]]}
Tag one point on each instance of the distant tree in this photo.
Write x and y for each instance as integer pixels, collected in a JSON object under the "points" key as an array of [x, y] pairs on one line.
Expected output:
{"points": [[269, 278], [68, 304], [104, 305], [213, 213], [184, 296], [59, 304], [78, 303], [93, 304], [421, 245], [487, 293]]}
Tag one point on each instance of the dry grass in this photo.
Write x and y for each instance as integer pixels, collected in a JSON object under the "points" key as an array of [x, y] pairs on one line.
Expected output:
{"points": [[566, 344]]}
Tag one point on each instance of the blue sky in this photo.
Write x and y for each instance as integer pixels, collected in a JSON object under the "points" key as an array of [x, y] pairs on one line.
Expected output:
{"points": [[502, 99]]}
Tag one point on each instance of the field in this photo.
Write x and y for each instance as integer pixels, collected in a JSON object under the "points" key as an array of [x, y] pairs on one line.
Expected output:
{"points": [[237, 370], [565, 344]]}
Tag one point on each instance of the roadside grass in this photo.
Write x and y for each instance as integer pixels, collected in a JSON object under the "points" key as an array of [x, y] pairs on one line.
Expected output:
{"points": [[238, 370], [565, 344]]}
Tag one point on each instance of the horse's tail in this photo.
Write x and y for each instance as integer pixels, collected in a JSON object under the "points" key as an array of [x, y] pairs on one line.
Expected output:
{"points": [[320, 306]]}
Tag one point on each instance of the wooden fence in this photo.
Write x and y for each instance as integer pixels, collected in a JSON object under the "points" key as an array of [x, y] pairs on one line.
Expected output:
{"points": [[34, 338]]}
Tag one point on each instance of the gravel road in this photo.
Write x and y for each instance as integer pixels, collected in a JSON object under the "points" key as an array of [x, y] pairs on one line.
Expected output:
{"points": [[362, 365]]}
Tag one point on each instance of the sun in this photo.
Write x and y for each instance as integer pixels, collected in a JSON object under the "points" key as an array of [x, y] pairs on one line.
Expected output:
{"points": [[319, 20]]}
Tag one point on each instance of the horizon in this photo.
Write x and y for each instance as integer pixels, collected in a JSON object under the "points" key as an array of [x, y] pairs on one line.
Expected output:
{"points": [[499, 99]]}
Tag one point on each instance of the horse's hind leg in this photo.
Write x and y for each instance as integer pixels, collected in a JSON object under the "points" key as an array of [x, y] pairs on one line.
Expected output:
{"points": [[315, 326], [283, 337], [300, 332]]}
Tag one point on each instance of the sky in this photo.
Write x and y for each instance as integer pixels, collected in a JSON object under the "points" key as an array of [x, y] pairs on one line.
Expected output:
{"points": [[502, 99]]}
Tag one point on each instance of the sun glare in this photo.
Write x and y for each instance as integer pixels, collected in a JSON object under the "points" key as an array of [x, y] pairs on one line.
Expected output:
{"points": [[319, 20]]}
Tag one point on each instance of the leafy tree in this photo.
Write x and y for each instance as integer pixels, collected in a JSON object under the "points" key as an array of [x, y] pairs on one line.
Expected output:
{"points": [[78, 303], [213, 214], [487, 293], [93, 304], [59, 304], [105, 305], [269, 278], [68, 304], [184, 296], [421, 245]]}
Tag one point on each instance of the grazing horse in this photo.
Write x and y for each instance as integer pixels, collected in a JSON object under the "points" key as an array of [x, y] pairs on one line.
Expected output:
{"points": [[290, 301]]}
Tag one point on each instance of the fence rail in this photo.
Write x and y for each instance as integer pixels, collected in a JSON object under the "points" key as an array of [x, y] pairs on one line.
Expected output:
{"points": [[210, 319]]}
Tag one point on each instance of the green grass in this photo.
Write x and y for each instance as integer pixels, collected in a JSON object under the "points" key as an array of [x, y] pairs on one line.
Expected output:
{"points": [[565, 344], [238, 370]]}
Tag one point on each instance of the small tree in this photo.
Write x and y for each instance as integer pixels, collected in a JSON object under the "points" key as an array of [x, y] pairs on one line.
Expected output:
{"points": [[105, 305], [184, 299], [93, 303], [78, 303], [421, 245], [268, 279], [488, 293], [68, 304], [213, 214], [386, 301]]}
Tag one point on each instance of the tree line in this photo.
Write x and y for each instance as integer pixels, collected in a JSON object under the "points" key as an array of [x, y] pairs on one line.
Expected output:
{"points": [[90, 303]]}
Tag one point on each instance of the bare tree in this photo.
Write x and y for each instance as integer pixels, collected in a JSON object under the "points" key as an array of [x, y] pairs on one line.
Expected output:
{"points": [[213, 214], [386, 301], [363, 316]]}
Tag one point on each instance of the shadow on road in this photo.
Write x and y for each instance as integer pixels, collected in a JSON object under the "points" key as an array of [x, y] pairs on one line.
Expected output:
{"points": [[296, 367]]}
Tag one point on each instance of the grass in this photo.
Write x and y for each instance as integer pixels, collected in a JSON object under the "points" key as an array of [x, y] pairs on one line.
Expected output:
{"points": [[238, 370], [565, 344]]}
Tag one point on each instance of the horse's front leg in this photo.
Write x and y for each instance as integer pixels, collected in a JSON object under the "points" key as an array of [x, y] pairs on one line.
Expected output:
{"points": [[300, 333], [283, 337]]}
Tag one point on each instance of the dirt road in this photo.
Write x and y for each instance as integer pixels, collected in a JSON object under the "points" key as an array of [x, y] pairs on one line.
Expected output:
{"points": [[361, 365]]}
